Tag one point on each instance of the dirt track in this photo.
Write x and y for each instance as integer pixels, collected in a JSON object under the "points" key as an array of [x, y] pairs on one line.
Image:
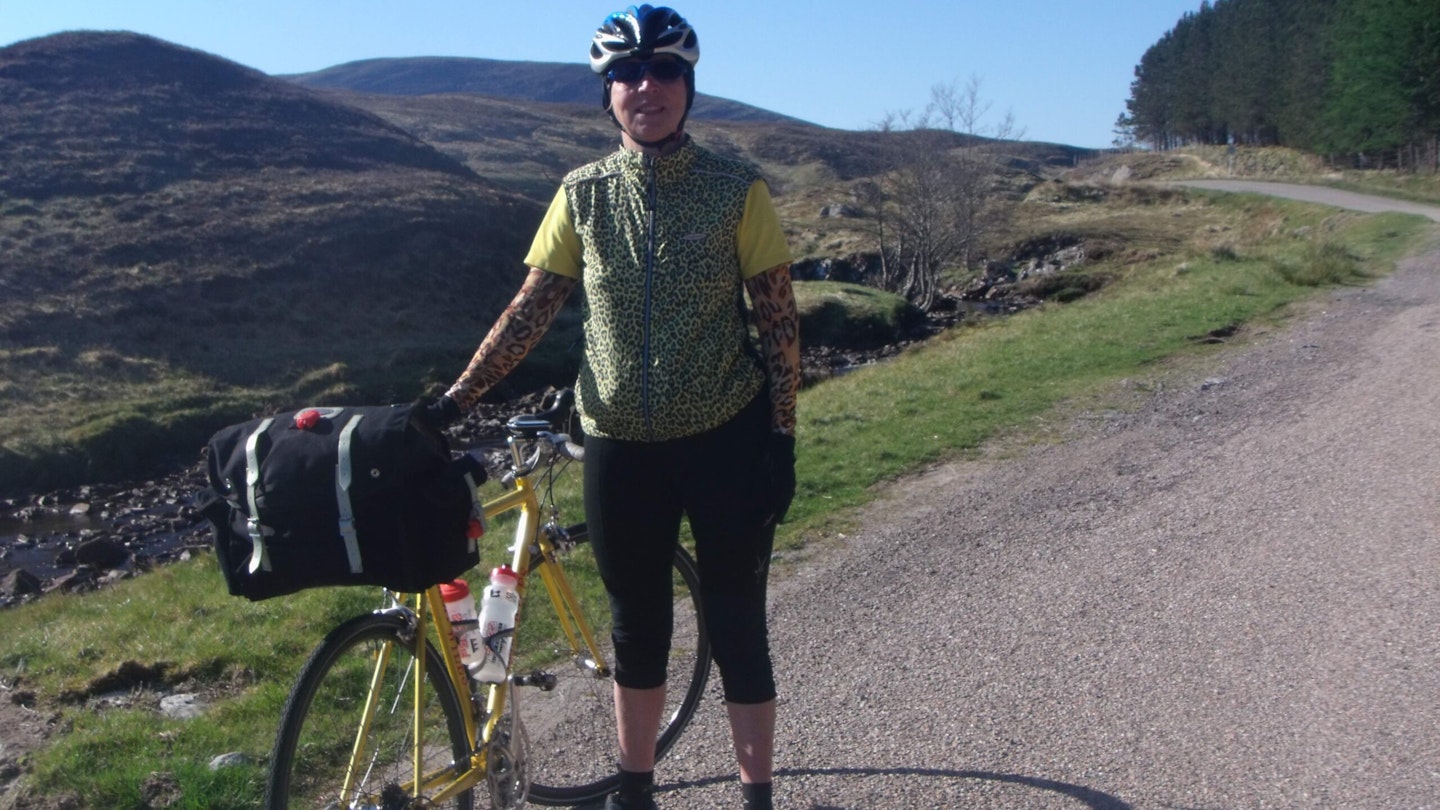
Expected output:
{"points": [[1228, 599], [1320, 194]]}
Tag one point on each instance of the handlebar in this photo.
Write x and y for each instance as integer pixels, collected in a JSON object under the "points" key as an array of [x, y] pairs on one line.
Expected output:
{"points": [[552, 418], [562, 403], [561, 445], [569, 449], [538, 439], [544, 448]]}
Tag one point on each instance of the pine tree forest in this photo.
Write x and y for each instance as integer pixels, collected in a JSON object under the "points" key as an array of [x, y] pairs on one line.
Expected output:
{"points": [[1356, 80]]}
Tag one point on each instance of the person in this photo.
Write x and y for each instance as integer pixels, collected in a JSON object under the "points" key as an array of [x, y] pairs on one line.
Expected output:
{"points": [[675, 399]]}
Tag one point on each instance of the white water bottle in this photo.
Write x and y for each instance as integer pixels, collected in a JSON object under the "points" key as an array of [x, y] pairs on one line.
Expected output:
{"points": [[498, 607], [460, 606]]}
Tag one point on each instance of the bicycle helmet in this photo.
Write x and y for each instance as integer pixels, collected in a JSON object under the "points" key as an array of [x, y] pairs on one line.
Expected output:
{"points": [[645, 32], [642, 32]]}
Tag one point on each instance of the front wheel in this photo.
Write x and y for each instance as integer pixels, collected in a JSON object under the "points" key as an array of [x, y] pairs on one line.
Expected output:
{"points": [[347, 738], [571, 728]]}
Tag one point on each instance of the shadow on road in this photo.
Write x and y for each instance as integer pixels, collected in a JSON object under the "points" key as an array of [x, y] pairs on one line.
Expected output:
{"points": [[1089, 797]]}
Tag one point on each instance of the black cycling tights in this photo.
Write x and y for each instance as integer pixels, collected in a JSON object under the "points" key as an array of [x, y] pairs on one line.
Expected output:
{"points": [[635, 495]]}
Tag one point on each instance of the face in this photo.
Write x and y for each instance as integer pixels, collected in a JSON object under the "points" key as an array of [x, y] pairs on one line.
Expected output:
{"points": [[649, 108]]}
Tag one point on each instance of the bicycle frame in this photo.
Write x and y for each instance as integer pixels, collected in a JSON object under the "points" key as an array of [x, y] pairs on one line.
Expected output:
{"points": [[533, 551]]}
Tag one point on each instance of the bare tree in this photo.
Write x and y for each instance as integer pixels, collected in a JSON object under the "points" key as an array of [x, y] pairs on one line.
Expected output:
{"points": [[935, 205]]}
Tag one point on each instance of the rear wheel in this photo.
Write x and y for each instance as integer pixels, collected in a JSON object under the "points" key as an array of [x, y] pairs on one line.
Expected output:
{"points": [[571, 728], [325, 715]]}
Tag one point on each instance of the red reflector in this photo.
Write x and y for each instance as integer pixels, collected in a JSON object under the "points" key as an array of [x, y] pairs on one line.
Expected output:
{"points": [[477, 529], [306, 420]]}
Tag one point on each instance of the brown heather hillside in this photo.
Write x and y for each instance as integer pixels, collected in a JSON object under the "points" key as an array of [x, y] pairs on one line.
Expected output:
{"points": [[161, 200], [550, 82], [176, 225], [527, 147]]}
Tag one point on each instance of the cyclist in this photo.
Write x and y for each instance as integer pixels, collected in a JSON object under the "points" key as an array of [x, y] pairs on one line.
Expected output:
{"points": [[683, 415]]}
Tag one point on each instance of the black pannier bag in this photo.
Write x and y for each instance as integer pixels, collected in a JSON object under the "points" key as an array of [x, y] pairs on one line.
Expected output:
{"points": [[339, 496]]}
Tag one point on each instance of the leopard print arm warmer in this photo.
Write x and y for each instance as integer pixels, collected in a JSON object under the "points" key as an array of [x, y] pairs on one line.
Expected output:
{"points": [[514, 334], [778, 321]]}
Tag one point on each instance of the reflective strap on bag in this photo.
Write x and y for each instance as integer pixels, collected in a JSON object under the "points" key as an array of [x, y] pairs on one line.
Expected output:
{"points": [[259, 559], [477, 511], [343, 475]]}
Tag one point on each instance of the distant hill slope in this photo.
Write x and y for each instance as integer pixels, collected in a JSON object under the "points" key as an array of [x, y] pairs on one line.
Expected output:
{"points": [[527, 146], [130, 166], [179, 216], [551, 82]]}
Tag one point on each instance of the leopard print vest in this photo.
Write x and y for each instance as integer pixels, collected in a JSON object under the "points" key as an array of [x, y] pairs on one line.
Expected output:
{"points": [[667, 348]]}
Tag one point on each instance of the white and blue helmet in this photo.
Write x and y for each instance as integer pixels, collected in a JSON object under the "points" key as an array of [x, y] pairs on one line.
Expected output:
{"points": [[643, 32]]}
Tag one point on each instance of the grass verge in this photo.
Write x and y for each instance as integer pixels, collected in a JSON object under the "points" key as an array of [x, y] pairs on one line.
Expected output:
{"points": [[100, 661]]}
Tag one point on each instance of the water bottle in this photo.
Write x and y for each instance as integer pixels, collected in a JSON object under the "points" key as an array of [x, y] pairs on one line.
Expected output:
{"points": [[498, 607], [460, 606]]}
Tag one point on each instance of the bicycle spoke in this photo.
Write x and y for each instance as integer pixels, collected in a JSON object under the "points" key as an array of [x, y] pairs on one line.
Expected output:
{"points": [[348, 736]]}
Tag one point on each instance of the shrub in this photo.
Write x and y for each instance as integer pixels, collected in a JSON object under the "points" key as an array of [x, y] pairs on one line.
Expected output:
{"points": [[850, 316], [1321, 264]]}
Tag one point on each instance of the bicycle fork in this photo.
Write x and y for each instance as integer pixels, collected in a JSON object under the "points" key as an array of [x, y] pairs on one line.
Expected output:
{"points": [[448, 781]]}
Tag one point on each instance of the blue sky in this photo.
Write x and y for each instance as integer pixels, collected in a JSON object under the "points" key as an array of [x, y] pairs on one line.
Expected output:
{"points": [[1061, 67]]}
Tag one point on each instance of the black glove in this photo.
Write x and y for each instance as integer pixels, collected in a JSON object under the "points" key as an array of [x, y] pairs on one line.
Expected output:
{"points": [[780, 464], [439, 413]]}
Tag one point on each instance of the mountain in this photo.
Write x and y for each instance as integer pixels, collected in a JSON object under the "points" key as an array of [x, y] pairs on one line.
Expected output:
{"points": [[142, 181], [524, 124], [550, 82], [174, 225]]}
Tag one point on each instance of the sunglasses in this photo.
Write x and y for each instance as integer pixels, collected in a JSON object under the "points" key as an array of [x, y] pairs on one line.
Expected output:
{"points": [[632, 72]]}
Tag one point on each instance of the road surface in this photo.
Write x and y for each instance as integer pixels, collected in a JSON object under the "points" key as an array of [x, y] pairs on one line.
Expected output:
{"points": [[1229, 598]]}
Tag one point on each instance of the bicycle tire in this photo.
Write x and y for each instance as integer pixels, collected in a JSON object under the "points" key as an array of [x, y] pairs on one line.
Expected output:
{"points": [[571, 729], [324, 711]]}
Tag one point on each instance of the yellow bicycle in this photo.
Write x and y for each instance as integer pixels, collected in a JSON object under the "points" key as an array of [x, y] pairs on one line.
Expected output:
{"points": [[385, 716]]}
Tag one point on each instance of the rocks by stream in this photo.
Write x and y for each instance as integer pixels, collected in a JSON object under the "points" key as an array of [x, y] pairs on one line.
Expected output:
{"points": [[84, 538]]}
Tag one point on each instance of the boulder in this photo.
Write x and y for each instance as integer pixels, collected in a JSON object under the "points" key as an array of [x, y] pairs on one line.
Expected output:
{"points": [[19, 583], [101, 553]]}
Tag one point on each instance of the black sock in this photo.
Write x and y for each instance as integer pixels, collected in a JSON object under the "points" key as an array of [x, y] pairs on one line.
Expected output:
{"points": [[757, 795], [636, 784]]}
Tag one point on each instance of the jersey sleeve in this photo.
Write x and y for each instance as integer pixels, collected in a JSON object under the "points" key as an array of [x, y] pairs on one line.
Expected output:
{"points": [[761, 241], [556, 246]]}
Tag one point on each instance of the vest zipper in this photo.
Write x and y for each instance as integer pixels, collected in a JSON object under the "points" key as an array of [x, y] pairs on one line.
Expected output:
{"points": [[651, 199]]}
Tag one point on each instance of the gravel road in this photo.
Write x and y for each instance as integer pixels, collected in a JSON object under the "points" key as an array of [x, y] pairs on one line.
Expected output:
{"points": [[1226, 599], [1319, 194]]}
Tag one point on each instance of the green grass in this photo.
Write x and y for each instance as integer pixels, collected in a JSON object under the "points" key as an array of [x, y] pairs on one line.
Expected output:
{"points": [[174, 629], [177, 627], [850, 315]]}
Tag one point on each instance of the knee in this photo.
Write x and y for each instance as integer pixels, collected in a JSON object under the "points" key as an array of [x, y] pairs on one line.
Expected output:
{"points": [[740, 641], [641, 633]]}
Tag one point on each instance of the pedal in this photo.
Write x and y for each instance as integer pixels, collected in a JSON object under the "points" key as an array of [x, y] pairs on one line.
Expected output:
{"points": [[544, 680]]}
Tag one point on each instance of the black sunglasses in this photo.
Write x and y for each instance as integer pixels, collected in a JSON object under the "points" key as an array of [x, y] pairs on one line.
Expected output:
{"points": [[632, 72]]}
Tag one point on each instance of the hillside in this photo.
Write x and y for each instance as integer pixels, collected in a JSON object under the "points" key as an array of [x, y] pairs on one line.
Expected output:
{"points": [[527, 147], [484, 113], [549, 82], [173, 225]]}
